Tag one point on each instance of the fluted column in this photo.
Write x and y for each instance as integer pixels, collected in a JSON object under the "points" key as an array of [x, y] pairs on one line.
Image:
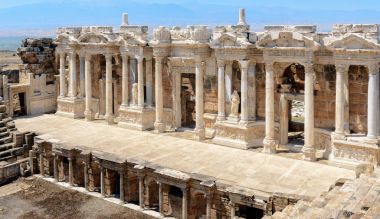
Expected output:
{"points": [[125, 81], [184, 202], [149, 81], [88, 88], [269, 140], [82, 77], [373, 101], [308, 149], [73, 75], [341, 70], [62, 83], [159, 126], [244, 64], [140, 81], [221, 91], [109, 109], [199, 104]]}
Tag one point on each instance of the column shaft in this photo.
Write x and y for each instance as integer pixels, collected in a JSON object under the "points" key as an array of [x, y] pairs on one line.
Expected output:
{"points": [[140, 79], [31, 163], [55, 164], [141, 191], [109, 108], [221, 92], [308, 149], [199, 104], [252, 92], [85, 176], [125, 81], [62, 81], [208, 206], [71, 175], [82, 77], [121, 186], [341, 70], [184, 203], [5, 88], [88, 87], [149, 81], [73, 75], [269, 141], [244, 91], [373, 102], [102, 189], [159, 125], [42, 172], [160, 198]]}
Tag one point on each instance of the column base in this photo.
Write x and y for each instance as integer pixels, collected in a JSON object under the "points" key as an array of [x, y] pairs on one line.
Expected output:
{"points": [[110, 119], [221, 118], [159, 127], [89, 115], [309, 153], [200, 134], [338, 136], [270, 146]]}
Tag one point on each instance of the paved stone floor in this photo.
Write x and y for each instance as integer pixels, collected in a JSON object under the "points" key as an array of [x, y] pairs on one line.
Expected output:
{"points": [[249, 169]]}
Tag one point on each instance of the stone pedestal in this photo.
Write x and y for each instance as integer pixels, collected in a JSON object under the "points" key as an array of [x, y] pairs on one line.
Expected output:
{"points": [[136, 118], [70, 107]]}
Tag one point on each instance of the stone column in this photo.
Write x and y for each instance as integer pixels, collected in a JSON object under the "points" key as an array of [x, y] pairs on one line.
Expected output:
{"points": [[221, 91], [141, 191], [244, 64], [232, 205], [121, 173], [71, 173], [160, 198], [159, 125], [284, 120], [125, 81], [73, 75], [149, 82], [109, 109], [55, 164], [308, 149], [184, 203], [5, 88], [62, 83], [373, 101], [341, 70], [140, 81], [252, 92], [85, 176], [82, 77], [88, 87], [208, 205], [199, 104], [102, 189], [42, 172], [228, 85], [269, 140], [31, 163]]}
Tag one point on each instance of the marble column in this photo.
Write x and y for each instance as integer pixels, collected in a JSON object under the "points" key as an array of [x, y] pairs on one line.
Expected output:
{"points": [[308, 149], [140, 81], [31, 163], [73, 75], [244, 64], [85, 176], [5, 88], [125, 81], [88, 87], [228, 85], [149, 82], [102, 189], [121, 173], [184, 202], [55, 165], [199, 104], [341, 70], [42, 172], [373, 101], [284, 120], [159, 125], [62, 81], [269, 140], [109, 116], [141, 191], [221, 91], [160, 198], [82, 77], [71, 171]]}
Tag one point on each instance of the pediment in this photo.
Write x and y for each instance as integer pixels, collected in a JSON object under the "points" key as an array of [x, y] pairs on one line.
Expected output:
{"points": [[286, 40], [229, 40], [353, 42], [64, 39], [93, 38], [131, 40]]}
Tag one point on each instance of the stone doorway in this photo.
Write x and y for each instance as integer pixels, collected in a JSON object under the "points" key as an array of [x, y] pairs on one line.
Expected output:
{"points": [[175, 202], [19, 104], [188, 100], [153, 196]]}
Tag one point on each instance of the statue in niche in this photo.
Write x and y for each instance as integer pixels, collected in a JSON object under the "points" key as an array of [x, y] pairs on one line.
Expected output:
{"points": [[134, 93], [235, 101]]}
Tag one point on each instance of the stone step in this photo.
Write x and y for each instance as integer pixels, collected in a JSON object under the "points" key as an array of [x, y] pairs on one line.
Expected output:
{"points": [[5, 147], [3, 129], [5, 134], [11, 125], [355, 200], [6, 140], [374, 211], [3, 109]]}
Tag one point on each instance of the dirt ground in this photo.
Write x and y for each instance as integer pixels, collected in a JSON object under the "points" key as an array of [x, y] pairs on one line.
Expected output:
{"points": [[9, 60], [35, 198]]}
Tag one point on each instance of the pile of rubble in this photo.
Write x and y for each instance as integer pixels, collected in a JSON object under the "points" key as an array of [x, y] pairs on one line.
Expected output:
{"points": [[358, 198]]}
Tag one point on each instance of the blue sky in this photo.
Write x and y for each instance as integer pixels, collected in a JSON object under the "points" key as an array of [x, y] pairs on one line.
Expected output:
{"points": [[42, 17]]}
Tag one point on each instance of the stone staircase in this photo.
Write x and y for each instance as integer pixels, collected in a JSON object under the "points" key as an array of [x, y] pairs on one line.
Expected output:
{"points": [[358, 198]]}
